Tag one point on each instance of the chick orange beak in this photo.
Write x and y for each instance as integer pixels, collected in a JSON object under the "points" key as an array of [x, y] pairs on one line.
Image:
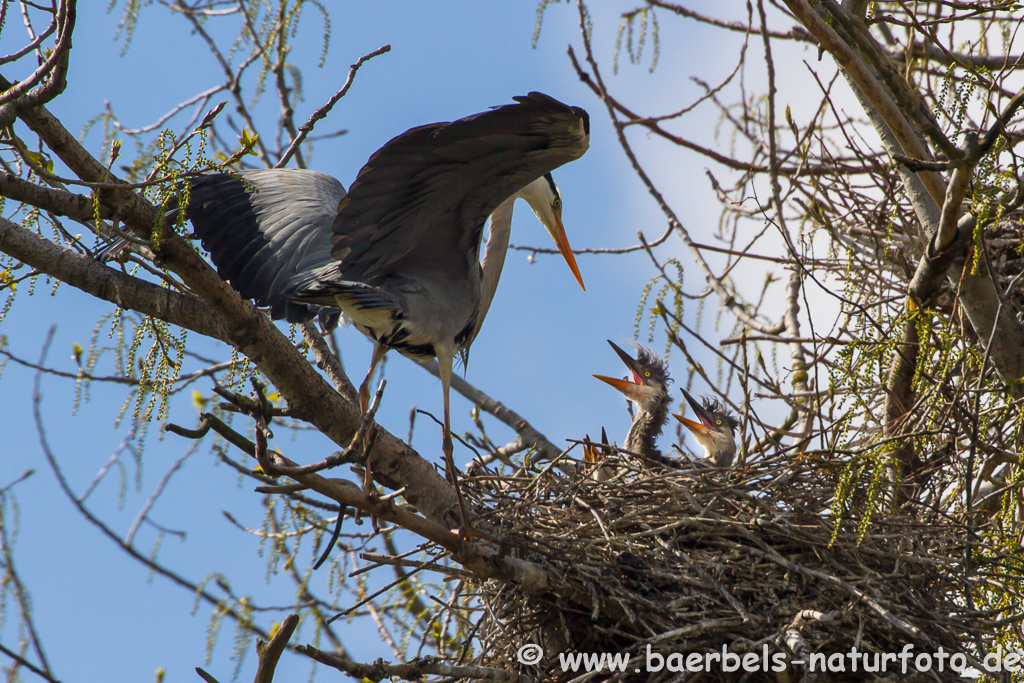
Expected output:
{"points": [[623, 385], [693, 426], [699, 413], [588, 451], [630, 389]]}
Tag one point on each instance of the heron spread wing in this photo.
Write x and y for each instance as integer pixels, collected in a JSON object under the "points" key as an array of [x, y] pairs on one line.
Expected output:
{"points": [[425, 195], [267, 231], [293, 241]]}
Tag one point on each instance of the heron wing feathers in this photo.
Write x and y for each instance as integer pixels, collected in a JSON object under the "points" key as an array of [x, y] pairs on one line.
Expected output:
{"points": [[266, 230], [294, 241], [426, 194]]}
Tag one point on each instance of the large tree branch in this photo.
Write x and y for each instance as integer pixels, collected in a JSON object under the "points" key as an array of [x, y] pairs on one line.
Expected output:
{"points": [[52, 72], [105, 283], [980, 297], [930, 51], [410, 671], [931, 271], [61, 202], [861, 77]]}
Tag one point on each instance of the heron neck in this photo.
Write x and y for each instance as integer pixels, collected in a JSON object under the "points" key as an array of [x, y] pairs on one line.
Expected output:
{"points": [[494, 256], [723, 455], [646, 428]]}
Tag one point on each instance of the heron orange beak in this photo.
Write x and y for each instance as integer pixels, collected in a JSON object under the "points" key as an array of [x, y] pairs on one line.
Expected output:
{"points": [[542, 196], [634, 390], [562, 242], [623, 385], [698, 411], [593, 453], [588, 451]]}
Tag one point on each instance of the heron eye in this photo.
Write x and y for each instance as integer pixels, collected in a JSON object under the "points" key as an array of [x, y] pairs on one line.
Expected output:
{"points": [[647, 374], [557, 205], [718, 422]]}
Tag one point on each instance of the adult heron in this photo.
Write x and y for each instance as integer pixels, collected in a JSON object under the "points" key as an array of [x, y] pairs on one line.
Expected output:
{"points": [[399, 254]]}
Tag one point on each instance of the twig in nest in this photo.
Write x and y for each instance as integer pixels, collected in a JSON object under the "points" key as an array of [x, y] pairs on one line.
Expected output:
{"points": [[399, 562]]}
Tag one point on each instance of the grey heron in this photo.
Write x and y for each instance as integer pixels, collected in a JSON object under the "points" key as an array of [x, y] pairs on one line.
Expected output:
{"points": [[648, 388], [715, 430], [398, 254]]}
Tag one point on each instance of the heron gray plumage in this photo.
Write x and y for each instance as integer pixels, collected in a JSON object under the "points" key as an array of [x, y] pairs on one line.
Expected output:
{"points": [[398, 254], [648, 388], [715, 431]]}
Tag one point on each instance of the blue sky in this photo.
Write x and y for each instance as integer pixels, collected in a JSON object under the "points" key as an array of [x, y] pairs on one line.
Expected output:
{"points": [[101, 614]]}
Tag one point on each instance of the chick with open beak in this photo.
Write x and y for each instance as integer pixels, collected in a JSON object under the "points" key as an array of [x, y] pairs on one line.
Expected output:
{"points": [[648, 388], [715, 430], [594, 454]]}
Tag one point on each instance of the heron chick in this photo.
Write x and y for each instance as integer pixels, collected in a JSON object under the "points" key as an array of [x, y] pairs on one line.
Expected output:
{"points": [[715, 431], [594, 454], [648, 389]]}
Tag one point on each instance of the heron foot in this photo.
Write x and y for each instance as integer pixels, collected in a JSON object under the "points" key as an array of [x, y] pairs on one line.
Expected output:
{"points": [[466, 528], [371, 491], [467, 531], [364, 398]]}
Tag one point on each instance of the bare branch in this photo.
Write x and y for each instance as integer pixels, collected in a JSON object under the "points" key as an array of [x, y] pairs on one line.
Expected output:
{"points": [[270, 652], [306, 128]]}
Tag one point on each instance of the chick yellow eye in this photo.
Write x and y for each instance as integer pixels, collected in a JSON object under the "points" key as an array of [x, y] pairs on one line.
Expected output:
{"points": [[647, 374], [718, 422]]}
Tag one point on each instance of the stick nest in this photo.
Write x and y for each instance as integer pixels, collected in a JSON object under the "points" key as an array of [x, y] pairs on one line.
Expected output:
{"points": [[689, 560]]}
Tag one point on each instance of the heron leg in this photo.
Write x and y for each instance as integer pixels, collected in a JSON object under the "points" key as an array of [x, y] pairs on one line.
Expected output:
{"points": [[379, 350], [444, 361]]}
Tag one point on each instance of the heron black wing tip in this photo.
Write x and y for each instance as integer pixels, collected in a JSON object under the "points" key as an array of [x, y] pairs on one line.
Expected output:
{"points": [[540, 97]]}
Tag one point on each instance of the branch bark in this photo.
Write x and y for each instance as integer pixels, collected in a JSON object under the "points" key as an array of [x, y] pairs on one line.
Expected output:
{"points": [[270, 652], [111, 285], [412, 671]]}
